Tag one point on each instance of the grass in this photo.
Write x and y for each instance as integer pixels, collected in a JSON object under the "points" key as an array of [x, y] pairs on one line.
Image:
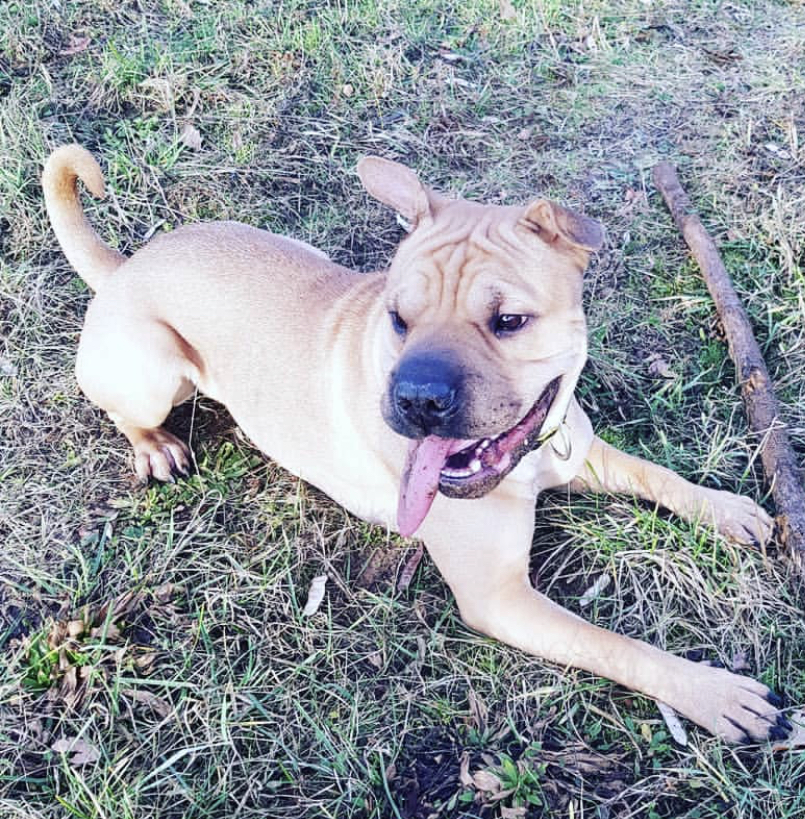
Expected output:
{"points": [[199, 689]]}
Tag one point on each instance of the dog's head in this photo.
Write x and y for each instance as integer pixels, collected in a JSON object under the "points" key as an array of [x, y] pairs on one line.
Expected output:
{"points": [[485, 329]]}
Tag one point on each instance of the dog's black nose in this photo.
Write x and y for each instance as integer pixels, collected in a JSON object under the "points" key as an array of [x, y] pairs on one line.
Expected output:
{"points": [[425, 393]]}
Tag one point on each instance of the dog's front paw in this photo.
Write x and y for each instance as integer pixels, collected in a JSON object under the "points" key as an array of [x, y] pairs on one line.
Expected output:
{"points": [[738, 518], [160, 455], [735, 708]]}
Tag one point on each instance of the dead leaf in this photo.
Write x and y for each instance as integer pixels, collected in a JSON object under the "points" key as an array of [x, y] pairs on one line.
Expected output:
{"points": [[464, 770], [145, 660], [595, 591], [75, 628], [645, 732], [166, 592], [75, 46], [411, 565], [315, 595], [478, 711], [163, 88], [633, 201], [658, 366], [190, 136], [724, 55], [147, 698], [674, 724], [507, 11], [486, 781], [7, 367], [415, 666], [83, 752], [109, 633], [376, 659], [512, 813]]}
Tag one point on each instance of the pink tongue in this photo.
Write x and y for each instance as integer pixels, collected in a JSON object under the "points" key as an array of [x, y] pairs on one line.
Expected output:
{"points": [[420, 481]]}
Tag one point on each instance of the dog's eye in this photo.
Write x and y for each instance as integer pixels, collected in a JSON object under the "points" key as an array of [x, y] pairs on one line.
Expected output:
{"points": [[508, 323], [400, 327]]}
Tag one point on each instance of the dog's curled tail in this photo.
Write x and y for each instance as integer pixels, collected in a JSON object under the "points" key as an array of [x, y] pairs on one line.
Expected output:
{"points": [[89, 255]]}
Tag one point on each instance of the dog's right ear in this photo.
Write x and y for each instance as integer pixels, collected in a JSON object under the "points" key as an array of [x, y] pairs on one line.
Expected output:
{"points": [[396, 186]]}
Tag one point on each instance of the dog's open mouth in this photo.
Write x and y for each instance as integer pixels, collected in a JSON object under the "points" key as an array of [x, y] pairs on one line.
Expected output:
{"points": [[462, 468]]}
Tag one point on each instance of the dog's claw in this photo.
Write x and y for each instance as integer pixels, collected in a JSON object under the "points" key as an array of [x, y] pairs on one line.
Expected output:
{"points": [[776, 700], [739, 518], [744, 739], [160, 455]]}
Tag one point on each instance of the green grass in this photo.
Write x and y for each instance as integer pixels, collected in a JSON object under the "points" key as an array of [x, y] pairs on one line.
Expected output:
{"points": [[214, 696]]}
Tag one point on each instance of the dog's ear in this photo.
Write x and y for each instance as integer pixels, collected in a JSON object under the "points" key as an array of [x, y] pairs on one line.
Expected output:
{"points": [[395, 186], [551, 222]]}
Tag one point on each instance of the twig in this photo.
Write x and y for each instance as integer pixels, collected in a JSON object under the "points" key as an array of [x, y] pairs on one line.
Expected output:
{"points": [[779, 462]]}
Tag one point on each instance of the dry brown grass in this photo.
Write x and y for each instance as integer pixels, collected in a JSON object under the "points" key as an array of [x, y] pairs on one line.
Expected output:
{"points": [[369, 707]]}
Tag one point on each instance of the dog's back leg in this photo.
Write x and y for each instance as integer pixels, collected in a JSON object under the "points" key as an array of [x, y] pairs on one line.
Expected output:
{"points": [[137, 369]]}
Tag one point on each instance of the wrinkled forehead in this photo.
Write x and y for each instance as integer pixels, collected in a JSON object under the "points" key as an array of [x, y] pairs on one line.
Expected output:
{"points": [[475, 257]]}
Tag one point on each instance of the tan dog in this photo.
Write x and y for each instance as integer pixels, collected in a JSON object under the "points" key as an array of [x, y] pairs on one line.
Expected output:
{"points": [[400, 394]]}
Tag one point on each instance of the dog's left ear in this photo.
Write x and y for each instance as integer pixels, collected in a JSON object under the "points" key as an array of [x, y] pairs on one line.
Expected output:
{"points": [[552, 222], [395, 186]]}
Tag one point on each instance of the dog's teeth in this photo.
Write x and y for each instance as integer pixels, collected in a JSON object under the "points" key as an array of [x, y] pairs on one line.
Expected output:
{"points": [[475, 465], [456, 473], [485, 443]]}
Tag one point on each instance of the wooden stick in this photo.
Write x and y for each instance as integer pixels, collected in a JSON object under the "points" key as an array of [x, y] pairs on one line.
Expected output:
{"points": [[779, 462]]}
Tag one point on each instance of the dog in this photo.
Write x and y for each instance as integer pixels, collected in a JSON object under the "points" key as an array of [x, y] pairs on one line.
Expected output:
{"points": [[436, 397]]}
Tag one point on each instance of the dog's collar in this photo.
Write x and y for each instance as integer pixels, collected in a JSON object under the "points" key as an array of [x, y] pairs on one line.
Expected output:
{"points": [[562, 431]]}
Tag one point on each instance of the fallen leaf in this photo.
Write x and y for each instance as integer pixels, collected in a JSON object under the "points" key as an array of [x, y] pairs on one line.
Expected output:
{"points": [[478, 711], [507, 11], [315, 595], [190, 136], [486, 781], [152, 701], [675, 727], [723, 56], [75, 46], [595, 591], [658, 366], [163, 88], [347, 90], [7, 367], [415, 666], [109, 633], [75, 628], [145, 660], [464, 770], [411, 565], [166, 592], [83, 752], [512, 813]]}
